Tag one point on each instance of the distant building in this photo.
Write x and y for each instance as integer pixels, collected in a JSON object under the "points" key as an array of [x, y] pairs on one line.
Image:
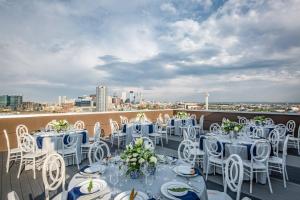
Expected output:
{"points": [[131, 97], [101, 99], [12, 101], [123, 96], [62, 100]]}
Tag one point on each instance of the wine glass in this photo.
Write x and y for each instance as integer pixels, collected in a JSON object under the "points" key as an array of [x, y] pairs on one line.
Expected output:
{"points": [[145, 170], [150, 182], [114, 179]]}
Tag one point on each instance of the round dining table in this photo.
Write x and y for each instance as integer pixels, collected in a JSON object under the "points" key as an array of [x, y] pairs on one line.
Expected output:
{"points": [[164, 174]]}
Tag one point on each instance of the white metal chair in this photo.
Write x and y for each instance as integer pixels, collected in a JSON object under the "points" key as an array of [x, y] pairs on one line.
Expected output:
{"points": [[279, 164], [296, 140], [161, 129], [116, 134], [13, 154], [12, 196], [183, 126], [148, 143], [137, 131], [243, 120], [191, 134], [215, 128], [258, 132], [69, 147], [170, 127], [157, 135], [49, 126], [53, 174], [274, 140], [185, 154], [98, 151], [234, 172], [97, 131], [260, 153], [215, 155], [21, 130], [123, 120], [79, 125], [281, 130], [290, 130], [29, 153]]}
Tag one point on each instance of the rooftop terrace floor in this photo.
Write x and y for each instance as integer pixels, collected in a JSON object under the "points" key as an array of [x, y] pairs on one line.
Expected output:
{"points": [[28, 188]]}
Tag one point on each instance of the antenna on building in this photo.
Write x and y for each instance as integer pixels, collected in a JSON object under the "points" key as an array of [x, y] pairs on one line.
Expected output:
{"points": [[206, 100]]}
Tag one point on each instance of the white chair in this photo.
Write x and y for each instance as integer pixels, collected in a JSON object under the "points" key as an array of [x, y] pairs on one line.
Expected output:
{"points": [[98, 151], [191, 134], [183, 126], [269, 121], [157, 135], [13, 154], [21, 130], [53, 174], [69, 147], [116, 134], [215, 128], [260, 153], [162, 130], [296, 140], [148, 143], [258, 132], [281, 130], [290, 127], [12, 196], [215, 155], [274, 140], [85, 147], [49, 126], [137, 131], [170, 126], [234, 172], [185, 154], [29, 153], [279, 164], [79, 125], [242, 120], [123, 120]]}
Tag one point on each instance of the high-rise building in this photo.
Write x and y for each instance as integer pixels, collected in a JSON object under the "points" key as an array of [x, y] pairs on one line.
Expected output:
{"points": [[101, 99], [62, 100], [131, 97], [4, 100], [12, 101], [124, 96]]}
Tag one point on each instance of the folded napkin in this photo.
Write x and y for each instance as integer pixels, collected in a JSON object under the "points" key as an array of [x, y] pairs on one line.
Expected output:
{"points": [[124, 128], [84, 137], [189, 196], [82, 169], [74, 193], [39, 142]]}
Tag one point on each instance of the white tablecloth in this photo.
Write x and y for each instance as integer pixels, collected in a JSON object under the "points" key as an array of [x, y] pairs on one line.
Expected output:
{"points": [[178, 123], [130, 130]]}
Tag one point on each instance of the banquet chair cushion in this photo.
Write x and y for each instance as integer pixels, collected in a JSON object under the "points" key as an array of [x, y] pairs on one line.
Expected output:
{"points": [[198, 152], [256, 165], [275, 160], [217, 195], [15, 150], [216, 160], [66, 151], [34, 155]]}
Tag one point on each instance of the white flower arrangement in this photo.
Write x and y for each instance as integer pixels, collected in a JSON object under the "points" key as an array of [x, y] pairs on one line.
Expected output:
{"points": [[60, 125]]}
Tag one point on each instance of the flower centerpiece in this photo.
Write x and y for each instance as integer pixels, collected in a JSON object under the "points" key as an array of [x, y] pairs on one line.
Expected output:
{"points": [[60, 125], [259, 119], [140, 117], [182, 115], [229, 126], [135, 155]]}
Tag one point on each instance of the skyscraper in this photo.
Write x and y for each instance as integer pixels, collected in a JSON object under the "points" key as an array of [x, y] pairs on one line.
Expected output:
{"points": [[101, 99], [124, 96], [131, 97]]}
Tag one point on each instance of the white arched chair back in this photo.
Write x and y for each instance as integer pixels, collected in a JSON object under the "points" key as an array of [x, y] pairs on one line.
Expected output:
{"points": [[12, 196], [167, 117], [269, 121], [7, 141], [20, 131], [27, 143], [97, 131], [258, 132], [53, 173], [185, 152], [98, 151], [79, 125], [260, 151], [274, 140], [192, 133], [281, 128], [290, 127], [213, 147], [148, 143], [193, 116], [69, 141], [234, 172], [215, 128], [284, 149], [49, 126], [137, 128], [243, 120]]}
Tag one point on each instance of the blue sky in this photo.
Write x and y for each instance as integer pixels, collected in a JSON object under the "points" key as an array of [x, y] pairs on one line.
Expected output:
{"points": [[168, 50]]}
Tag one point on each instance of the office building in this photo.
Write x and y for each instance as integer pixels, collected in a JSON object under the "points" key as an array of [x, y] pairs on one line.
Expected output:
{"points": [[101, 99], [131, 97]]}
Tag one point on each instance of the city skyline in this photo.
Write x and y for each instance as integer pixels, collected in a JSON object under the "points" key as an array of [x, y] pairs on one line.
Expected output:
{"points": [[238, 51]]}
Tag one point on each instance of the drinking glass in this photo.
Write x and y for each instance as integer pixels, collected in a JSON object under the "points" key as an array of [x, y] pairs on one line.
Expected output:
{"points": [[114, 179], [145, 170]]}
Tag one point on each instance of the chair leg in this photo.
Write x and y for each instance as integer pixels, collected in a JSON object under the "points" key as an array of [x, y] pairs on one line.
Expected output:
{"points": [[251, 179], [283, 176], [270, 186], [206, 170], [34, 175], [161, 140], [77, 161], [286, 174], [7, 162], [298, 142], [20, 167]]}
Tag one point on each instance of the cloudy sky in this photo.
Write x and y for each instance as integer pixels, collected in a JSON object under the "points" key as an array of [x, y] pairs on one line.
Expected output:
{"points": [[237, 50]]}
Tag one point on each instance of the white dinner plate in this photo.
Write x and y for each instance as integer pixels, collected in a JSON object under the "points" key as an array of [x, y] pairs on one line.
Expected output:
{"points": [[164, 188], [98, 185], [95, 168], [184, 170], [125, 196]]}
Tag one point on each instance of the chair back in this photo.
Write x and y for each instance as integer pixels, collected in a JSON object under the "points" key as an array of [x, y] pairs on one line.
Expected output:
{"points": [[185, 154], [284, 150], [215, 128], [53, 173], [258, 132], [274, 139], [7, 141], [98, 151], [290, 127], [192, 133], [281, 130], [243, 120], [234, 172], [260, 151], [79, 125], [114, 126], [97, 131], [137, 128], [148, 143], [269, 121], [69, 141], [20, 131], [27, 143], [12, 196], [49, 126], [214, 147], [193, 116]]}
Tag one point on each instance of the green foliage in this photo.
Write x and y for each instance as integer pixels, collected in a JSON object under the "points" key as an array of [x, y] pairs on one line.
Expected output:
{"points": [[228, 126]]}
